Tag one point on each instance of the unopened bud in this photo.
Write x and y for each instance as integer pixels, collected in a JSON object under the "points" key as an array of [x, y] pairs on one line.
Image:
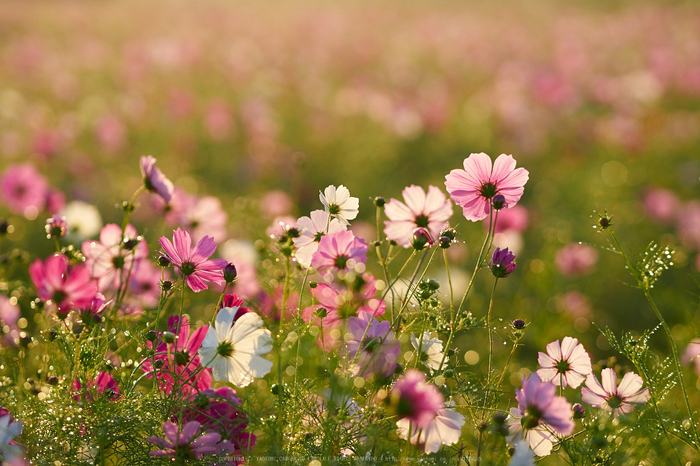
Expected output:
{"points": [[163, 261], [169, 337], [379, 201], [230, 273], [498, 201]]}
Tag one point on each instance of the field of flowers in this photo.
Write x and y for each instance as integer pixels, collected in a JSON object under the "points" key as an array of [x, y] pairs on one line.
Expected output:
{"points": [[353, 232]]}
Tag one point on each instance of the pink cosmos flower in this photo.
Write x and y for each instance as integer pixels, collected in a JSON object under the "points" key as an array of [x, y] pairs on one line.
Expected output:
{"points": [[473, 187], [182, 445], [66, 286], [415, 400], [219, 411], [276, 203], [154, 180], [181, 363], [144, 283], [429, 211], [690, 355], [661, 205], [514, 219], [340, 251], [576, 259], [311, 230], [539, 412], [104, 384], [22, 187], [379, 350], [193, 262], [206, 216], [611, 397], [565, 364], [108, 260]]}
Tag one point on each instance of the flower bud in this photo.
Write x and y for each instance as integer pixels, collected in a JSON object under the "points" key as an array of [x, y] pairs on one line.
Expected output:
{"points": [[56, 227], [604, 222], [130, 243], [163, 261], [433, 284], [518, 324], [445, 242], [498, 201], [379, 201], [158, 363], [166, 285], [150, 335], [230, 273], [293, 233], [421, 239], [579, 411], [313, 284], [169, 337], [53, 380], [4, 227]]}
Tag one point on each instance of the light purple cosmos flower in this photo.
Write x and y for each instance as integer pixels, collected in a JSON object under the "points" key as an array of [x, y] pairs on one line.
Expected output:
{"points": [[154, 180], [340, 251], [415, 400], [379, 350], [193, 262], [182, 446], [502, 263], [9, 429], [474, 187], [66, 286], [611, 397], [429, 211], [539, 413], [23, 187], [565, 364]]}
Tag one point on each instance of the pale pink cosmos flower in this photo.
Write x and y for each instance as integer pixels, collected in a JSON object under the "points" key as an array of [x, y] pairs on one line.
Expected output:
{"points": [[514, 219], [67, 287], [691, 353], [565, 364], [339, 203], [540, 414], [193, 261], [421, 210], [23, 187], [340, 251], [661, 205], [444, 429], [108, 260], [415, 400], [575, 259], [611, 397], [276, 203], [205, 216], [311, 230], [154, 180], [474, 187], [182, 444]]}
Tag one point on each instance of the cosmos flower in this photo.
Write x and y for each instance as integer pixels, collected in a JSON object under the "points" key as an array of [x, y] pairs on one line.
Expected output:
{"points": [[339, 204], [67, 287], [474, 187], [311, 230], [379, 349], [22, 187], [611, 397], [576, 259], [233, 349], [431, 351], [565, 364], [182, 446], [340, 251], [444, 429], [502, 263], [415, 400], [193, 262], [9, 429], [429, 211], [539, 413], [154, 180], [108, 260]]}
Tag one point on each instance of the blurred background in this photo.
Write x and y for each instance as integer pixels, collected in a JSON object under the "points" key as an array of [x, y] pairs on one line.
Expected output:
{"points": [[263, 105]]}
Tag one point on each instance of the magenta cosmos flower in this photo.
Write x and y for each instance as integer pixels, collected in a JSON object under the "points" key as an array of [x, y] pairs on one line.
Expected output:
{"points": [[154, 180], [429, 211], [182, 446], [339, 251], [67, 287], [502, 263], [474, 187], [611, 397], [416, 400], [193, 262], [539, 413], [565, 364], [21, 187]]}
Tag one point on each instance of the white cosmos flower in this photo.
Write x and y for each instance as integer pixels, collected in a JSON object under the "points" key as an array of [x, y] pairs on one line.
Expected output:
{"points": [[522, 456], [233, 349], [339, 203], [445, 429], [311, 230], [430, 349]]}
